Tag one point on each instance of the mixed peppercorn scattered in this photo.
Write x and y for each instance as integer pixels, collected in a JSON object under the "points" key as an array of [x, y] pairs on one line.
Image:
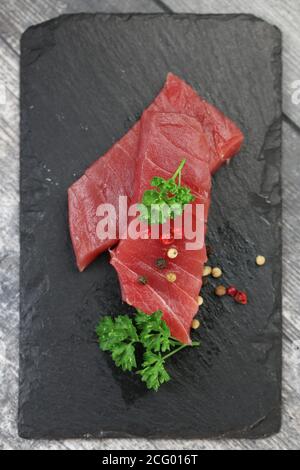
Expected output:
{"points": [[220, 291], [239, 296]]}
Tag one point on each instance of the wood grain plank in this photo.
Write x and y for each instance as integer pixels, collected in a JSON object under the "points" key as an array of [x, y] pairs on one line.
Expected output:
{"points": [[285, 15], [18, 15], [289, 438], [164, 7], [15, 17], [9, 111], [11, 26]]}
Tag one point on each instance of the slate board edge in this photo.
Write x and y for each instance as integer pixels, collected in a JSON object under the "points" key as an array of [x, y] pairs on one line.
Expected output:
{"points": [[255, 433], [56, 21]]}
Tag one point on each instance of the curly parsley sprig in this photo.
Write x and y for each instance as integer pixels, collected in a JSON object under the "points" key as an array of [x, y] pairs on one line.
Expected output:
{"points": [[153, 372], [120, 336], [167, 200]]}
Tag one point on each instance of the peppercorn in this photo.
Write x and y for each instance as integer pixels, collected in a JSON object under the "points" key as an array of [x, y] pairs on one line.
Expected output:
{"points": [[241, 298], [260, 260], [161, 263], [200, 300], [142, 280], [220, 291], [195, 324], [216, 273], [207, 271], [171, 277], [172, 253], [232, 291]]}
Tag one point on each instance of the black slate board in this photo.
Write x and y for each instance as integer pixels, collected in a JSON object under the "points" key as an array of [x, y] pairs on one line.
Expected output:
{"points": [[85, 79]]}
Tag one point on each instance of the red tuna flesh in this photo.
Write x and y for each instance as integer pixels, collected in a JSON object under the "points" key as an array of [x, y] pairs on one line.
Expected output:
{"points": [[178, 135], [113, 175], [165, 140]]}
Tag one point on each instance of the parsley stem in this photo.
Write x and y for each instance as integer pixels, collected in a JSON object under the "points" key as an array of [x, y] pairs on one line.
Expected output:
{"points": [[175, 351], [194, 343], [178, 171]]}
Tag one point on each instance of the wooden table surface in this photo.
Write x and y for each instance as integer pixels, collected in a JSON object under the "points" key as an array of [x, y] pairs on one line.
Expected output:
{"points": [[15, 17]]}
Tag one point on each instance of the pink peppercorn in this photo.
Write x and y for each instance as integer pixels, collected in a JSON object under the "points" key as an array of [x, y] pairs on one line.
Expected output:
{"points": [[232, 291], [241, 298]]}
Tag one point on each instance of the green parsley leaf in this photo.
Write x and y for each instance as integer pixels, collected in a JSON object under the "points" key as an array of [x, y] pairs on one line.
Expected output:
{"points": [[167, 200], [118, 336], [153, 372], [151, 197], [157, 182], [124, 356], [153, 331]]}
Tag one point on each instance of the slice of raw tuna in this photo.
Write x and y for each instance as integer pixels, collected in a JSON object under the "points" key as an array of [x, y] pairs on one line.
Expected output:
{"points": [[165, 140], [223, 136], [117, 167]]}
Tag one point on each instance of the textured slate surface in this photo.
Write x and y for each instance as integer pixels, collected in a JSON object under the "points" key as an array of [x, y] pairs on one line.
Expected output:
{"points": [[285, 15], [78, 96], [15, 17]]}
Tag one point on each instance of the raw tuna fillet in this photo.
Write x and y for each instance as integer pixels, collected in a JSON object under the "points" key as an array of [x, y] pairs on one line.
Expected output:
{"points": [[113, 175], [165, 140]]}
